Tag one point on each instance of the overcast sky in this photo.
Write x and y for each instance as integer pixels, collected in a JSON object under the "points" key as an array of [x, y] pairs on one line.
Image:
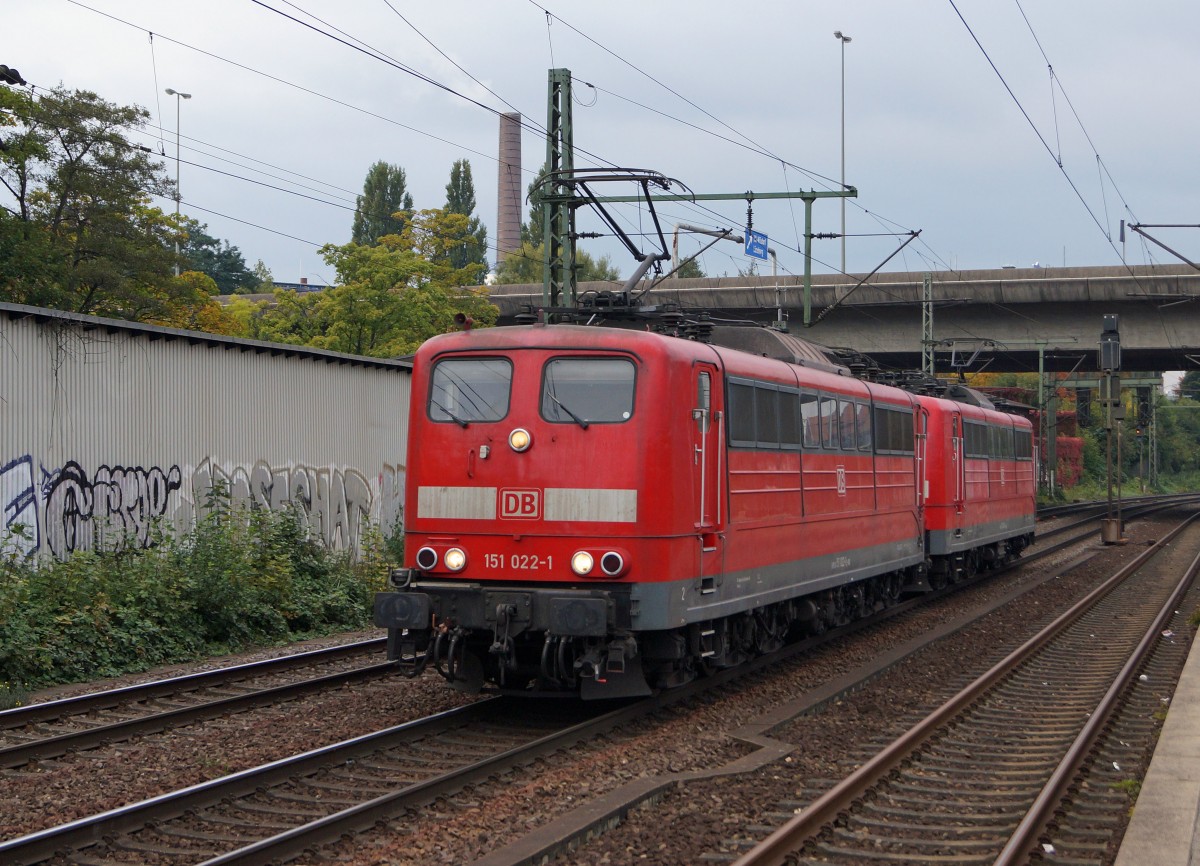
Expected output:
{"points": [[725, 97]]}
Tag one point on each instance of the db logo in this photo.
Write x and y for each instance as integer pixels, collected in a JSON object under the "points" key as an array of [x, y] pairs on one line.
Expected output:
{"points": [[518, 504], [841, 480]]}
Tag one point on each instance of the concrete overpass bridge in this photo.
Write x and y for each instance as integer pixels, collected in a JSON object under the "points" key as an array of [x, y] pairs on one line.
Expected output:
{"points": [[1015, 318]]}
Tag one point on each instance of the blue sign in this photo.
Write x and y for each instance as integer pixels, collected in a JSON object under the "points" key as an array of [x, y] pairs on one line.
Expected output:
{"points": [[756, 245]]}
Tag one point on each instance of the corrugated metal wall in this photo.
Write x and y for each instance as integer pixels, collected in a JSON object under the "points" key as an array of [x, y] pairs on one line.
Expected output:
{"points": [[107, 427]]}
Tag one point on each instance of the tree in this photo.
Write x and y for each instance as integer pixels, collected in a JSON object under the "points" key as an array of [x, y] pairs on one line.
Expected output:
{"points": [[391, 296], [264, 276], [1178, 433], [221, 261], [460, 199], [189, 303], [690, 270], [532, 231], [385, 195], [1189, 385], [77, 231], [395, 295]]}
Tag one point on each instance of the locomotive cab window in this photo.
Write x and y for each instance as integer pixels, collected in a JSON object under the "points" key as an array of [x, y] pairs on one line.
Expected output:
{"points": [[588, 390], [464, 390], [703, 409]]}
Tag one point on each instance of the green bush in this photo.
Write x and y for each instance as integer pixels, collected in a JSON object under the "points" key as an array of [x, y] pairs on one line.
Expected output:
{"points": [[241, 577]]}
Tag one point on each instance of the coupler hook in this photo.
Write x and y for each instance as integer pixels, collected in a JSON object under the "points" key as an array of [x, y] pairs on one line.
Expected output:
{"points": [[502, 643]]}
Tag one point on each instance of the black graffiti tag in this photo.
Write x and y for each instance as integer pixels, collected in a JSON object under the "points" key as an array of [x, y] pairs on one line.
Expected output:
{"points": [[116, 508]]}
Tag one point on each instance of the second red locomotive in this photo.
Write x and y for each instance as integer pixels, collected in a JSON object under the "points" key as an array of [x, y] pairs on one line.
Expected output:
{"points": [[604, 512]]}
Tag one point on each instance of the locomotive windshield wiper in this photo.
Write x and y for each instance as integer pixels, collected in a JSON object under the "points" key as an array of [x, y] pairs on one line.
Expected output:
{"points": [[559, 403], [459, 421]]}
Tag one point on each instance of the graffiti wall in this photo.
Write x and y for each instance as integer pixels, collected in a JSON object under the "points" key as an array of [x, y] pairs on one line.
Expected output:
{"points": [[181, 420]]}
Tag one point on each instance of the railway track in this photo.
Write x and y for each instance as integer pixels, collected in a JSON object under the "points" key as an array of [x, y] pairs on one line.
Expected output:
{"points": [[981, 778], [282, 808], [47, 730], [285, 807], [574, 830]]}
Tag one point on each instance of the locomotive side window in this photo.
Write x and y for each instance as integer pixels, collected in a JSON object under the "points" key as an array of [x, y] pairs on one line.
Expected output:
{"points": [[741, 414], [829, 422], [893, 431], [789, 419], [470, 389], [588, 390], [977, 444], [810, 420], [864, 427], [1002, 442], [847, 438], [1023, 440], [766, 414]]}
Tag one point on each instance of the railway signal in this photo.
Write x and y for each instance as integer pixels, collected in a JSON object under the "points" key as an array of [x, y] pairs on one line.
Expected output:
{"points": [[1110, 396]]}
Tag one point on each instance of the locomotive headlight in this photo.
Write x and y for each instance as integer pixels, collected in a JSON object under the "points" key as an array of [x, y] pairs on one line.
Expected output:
{"points": [[427, 558], [612, 563], [581, 562], [455, 559], [519, 440]]}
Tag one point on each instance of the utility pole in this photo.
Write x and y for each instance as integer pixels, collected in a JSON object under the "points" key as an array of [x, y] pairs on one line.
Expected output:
{"points": [[558, 233], [927, 364]]}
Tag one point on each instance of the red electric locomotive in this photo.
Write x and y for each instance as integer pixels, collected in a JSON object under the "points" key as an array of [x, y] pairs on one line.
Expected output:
{"points": [[980, 487], [603, 512]]}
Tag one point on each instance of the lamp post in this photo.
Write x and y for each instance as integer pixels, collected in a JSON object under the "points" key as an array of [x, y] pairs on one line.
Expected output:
{"points": [[179, 97], [843, 39]]}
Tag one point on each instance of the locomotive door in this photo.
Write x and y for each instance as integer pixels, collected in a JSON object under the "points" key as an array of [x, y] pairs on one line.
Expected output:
{"points": [[708, 423], [958, 463]]}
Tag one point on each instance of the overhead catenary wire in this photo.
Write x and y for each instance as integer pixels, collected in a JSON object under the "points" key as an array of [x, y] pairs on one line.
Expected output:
{"points": [[292, 84], [457, 66], [195, 206], [157, 97], [1056, 80], [367, 52], [331, 98], [753, 146], [710, 211], [1066, 175], [251, 168]]}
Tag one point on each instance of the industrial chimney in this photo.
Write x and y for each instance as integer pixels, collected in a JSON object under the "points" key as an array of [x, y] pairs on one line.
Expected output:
{"points": [[508, 192]]}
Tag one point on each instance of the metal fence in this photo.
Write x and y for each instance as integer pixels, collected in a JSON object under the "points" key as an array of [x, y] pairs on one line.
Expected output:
{"points": [[109, 429]]}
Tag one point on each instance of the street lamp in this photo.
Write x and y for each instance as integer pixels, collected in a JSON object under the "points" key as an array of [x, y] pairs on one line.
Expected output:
{"points": [[179, 97], [843, 39]]}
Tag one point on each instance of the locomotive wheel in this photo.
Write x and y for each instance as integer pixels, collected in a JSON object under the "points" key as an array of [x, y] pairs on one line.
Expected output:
{"points": [[772, 626]]}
